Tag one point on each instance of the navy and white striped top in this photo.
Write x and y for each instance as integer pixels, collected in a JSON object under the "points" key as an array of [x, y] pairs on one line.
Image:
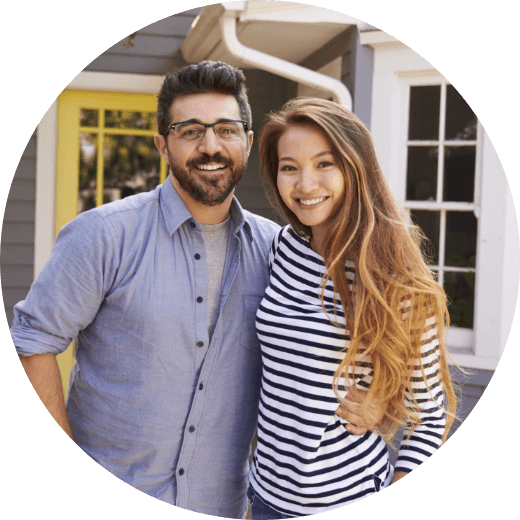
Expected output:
{"points": [[305, 461]]}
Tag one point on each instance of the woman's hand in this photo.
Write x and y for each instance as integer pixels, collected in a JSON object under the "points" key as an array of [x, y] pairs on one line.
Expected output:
{"points": [[350, 410]]}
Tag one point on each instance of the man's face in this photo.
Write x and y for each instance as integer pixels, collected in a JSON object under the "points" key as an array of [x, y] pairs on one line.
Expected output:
{"points": [[207, 169]]}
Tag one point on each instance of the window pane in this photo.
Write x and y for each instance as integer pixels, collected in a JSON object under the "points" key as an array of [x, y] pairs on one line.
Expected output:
{"points": [[132, 120], [421, 173], [429, 222], [423, 123], [459, 173], [132, 165], [461, 239], [460, 289], [461, 122], [88, 117], [88, 145]]}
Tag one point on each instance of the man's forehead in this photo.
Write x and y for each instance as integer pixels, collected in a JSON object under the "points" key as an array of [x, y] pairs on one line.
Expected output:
{"points": [[206, 107]]}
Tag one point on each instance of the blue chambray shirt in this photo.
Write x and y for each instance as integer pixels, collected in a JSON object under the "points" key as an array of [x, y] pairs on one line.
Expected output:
{"points": [[150, 398]]}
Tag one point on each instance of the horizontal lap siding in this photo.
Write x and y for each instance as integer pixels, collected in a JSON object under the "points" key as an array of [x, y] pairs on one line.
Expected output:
{"points": [[17, 254]]}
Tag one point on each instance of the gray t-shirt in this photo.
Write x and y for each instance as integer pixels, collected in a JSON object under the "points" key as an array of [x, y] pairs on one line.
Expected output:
{"points": [[215, 243]]}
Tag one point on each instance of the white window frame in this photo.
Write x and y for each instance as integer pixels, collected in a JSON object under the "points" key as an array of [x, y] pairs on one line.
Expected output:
{"points": [[396, 67], [458, 338]]}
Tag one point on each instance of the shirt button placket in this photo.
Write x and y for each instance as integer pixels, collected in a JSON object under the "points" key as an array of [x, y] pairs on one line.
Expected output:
{"points": [[189, 443]]}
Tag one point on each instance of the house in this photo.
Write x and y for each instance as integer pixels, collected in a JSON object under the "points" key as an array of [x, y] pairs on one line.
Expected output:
{"points": [[435, 154]]}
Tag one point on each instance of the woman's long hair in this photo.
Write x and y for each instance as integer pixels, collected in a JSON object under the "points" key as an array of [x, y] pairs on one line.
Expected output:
{"points": [[395, 292]]}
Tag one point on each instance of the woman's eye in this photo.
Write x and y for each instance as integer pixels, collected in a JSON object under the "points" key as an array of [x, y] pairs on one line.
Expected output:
{"points": [[287, 168], [325, 164]]}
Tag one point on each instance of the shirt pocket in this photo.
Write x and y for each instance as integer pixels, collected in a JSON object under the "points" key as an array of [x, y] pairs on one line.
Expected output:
{"points": [[248, 337]]}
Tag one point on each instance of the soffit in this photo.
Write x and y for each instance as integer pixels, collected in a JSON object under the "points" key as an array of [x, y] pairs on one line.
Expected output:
{"points": [[285, 30]]}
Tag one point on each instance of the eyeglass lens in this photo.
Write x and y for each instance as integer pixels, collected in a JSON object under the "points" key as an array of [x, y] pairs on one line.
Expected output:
{"points": [[228, 131]]}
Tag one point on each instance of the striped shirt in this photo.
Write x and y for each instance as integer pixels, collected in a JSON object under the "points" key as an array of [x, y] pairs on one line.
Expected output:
{"points": [[305, 461]]}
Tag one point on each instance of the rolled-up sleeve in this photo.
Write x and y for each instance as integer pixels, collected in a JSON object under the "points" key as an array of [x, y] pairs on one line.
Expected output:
{"points": [[67, 294]]}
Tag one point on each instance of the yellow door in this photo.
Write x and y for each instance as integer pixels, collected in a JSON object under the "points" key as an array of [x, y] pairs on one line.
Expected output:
{"points": [[105, 152]]}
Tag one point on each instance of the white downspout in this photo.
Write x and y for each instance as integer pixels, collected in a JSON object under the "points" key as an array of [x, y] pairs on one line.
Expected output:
{"points": [[286, 69]]}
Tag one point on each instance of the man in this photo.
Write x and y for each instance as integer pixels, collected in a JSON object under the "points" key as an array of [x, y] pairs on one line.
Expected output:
{"points": [[160, 292]]}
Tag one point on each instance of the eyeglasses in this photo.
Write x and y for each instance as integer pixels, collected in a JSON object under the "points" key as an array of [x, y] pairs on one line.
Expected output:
{"points": [[225, 129]]}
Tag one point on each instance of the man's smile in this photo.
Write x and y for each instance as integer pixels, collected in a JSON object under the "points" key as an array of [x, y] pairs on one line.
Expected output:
{"points": [[210, 167]]}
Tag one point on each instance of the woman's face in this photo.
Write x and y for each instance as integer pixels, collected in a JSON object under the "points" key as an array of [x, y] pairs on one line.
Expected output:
{"points": [[310, 180]]}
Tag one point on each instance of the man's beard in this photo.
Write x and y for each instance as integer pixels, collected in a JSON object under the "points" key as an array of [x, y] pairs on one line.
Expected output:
{"points": [[209, 189]]}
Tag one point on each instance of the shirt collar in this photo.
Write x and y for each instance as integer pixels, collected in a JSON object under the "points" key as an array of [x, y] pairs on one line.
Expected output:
{"points": [[175, 212]]}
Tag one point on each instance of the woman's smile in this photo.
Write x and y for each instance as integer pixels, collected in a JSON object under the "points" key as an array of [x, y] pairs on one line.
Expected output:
{"points": [[311, 202]]}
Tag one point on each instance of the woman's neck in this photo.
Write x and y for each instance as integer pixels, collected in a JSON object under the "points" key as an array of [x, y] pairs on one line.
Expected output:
{"points": [[316, 244]]}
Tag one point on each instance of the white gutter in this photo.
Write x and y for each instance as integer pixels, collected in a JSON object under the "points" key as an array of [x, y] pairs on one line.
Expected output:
{"points": [[286, 69]]}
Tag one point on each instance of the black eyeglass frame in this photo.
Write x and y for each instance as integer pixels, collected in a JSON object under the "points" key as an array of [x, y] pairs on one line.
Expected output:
{"points": [[206, 125]]}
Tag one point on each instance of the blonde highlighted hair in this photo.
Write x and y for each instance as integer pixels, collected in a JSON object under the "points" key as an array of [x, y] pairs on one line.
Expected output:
{"points": [[395, 292]]}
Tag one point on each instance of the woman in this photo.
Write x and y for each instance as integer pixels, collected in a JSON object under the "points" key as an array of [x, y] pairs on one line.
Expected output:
{"points": [[351, 303]]}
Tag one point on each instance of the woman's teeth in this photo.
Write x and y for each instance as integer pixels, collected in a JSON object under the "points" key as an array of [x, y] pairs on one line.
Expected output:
{"points": [[310, 202]]}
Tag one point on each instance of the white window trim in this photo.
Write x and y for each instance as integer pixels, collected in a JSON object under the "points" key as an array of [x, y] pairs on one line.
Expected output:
{"points": [[46, 142], [458, 338], [395, 66]]}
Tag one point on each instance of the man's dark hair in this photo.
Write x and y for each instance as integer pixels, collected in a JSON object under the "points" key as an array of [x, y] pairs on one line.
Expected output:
{"points": [[203, 77]]}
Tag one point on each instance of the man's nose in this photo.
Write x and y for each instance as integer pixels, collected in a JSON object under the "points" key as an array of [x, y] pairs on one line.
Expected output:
{"points": [[209, 143]]}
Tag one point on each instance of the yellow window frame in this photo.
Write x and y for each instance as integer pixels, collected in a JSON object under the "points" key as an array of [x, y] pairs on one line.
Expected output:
{"points": [[70, 103]]}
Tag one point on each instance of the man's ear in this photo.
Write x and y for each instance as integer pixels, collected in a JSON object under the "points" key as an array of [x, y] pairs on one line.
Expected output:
{"points": [[249, 140], [160, 143]]}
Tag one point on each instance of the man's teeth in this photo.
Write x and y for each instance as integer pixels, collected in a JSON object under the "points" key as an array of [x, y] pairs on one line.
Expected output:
{"points": [[210, 166], [310, 202]]}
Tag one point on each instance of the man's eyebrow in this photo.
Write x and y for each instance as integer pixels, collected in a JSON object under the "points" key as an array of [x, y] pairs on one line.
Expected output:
{"points": [[195, 120]]}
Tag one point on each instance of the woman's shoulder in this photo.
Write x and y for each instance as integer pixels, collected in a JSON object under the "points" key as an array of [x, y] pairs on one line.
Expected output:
{"points": [[290, 238]]}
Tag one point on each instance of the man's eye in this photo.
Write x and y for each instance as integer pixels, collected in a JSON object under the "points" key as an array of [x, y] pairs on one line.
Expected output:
{"points": [[227, 130], [190, 131]]}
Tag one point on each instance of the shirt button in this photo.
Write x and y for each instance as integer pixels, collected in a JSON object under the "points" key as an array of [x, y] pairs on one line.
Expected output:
{"points": [[192, 429], [200, 344], [192, 224], [181, 471], [199, 299], [197, 256], [201, 386]]}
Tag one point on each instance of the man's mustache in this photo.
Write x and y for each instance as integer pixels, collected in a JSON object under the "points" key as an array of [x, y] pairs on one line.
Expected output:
{"points": [[206, 159]]}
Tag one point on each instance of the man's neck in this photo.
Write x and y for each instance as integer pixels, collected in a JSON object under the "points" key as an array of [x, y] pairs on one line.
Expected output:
{"points": [[201, 213]]}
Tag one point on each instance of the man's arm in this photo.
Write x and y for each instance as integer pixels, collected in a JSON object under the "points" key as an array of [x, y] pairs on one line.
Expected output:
{"points": [[351, 411], [44, 374]]}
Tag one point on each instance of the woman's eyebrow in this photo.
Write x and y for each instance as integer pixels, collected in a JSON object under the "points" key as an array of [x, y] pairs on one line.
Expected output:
{"points": [[288, 158]]}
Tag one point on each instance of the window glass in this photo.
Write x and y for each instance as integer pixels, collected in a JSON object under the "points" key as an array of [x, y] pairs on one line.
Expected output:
{"points": [[424, 113], [421, 173], [459, 173], [88, 146], [461, 122]]}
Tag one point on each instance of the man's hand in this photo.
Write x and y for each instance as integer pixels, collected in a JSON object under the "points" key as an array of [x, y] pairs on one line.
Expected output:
{"points": [[350, 410]]}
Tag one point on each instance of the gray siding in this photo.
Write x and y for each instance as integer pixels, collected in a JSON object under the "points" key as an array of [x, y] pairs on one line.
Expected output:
{"points": [[17, 253], [153, 49]]}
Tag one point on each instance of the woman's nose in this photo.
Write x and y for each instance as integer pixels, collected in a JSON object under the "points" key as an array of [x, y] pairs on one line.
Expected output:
{"points": [[307, 181]]}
